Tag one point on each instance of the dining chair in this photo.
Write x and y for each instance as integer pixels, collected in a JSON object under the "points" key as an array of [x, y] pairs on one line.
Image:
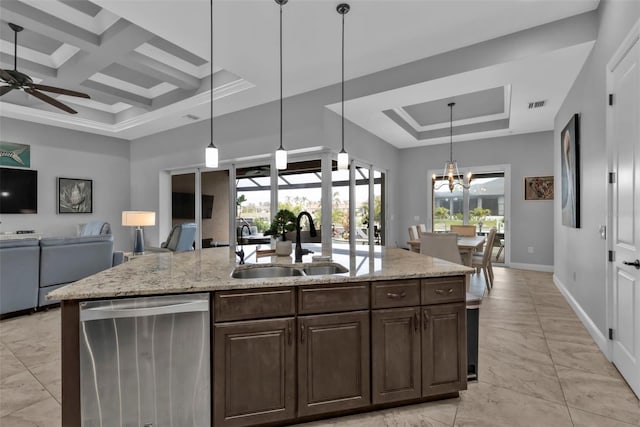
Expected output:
{"points": [[422, 229], [500, 249], [441, 245], [413, 233], [464, 230], [483, 261]]}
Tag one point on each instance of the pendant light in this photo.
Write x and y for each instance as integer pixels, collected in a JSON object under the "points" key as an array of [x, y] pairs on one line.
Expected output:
{"points": [[211, 152], [343, 156], [451, 172], [281, 153]]}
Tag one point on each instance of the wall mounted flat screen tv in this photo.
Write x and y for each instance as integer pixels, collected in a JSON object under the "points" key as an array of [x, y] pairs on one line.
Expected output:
{"points": [[18, 191], [183, 205]]}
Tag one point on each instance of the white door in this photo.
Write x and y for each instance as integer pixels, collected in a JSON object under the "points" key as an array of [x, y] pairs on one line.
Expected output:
{"points": [[623, 124]]}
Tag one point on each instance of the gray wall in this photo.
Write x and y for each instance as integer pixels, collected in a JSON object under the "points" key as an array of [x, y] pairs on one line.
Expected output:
{"points": [[58, 152], [581, 251], [528, 154], [254, 132]]}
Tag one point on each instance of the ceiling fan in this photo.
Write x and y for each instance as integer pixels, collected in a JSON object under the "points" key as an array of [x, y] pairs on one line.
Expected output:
{"points": [[17, 80]]}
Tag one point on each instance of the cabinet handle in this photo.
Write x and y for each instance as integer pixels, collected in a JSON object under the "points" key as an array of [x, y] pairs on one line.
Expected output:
{"points": [[442, 291], [426, 319], [416, 321], [302, 333], [289, 334], [393, 295]]}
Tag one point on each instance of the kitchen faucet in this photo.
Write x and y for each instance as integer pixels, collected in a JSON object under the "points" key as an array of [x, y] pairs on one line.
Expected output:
{"points": [[312, 232], [240, 253]]}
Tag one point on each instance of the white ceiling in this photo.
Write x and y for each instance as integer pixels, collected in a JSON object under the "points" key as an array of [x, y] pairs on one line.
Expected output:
{"points": [[379, 34]]}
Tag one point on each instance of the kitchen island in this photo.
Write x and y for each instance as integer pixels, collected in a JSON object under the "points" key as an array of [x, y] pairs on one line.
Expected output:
{"points": [[389, 331]]}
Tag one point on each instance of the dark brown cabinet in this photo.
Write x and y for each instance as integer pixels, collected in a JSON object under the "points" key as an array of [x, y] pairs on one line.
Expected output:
{"points": [[418, 351], [335, 348], [395, 354], [333, 362], [254, 372], [444, 355]]}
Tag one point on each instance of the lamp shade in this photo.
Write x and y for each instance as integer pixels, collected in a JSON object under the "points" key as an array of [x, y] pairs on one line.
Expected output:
{"points": [[211, 156], [281, 159], [343, 160], [138, 218]]}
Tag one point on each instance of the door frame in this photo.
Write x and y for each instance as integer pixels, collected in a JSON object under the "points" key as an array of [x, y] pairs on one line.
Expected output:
{"points": [[631, 38], [506, 169]]}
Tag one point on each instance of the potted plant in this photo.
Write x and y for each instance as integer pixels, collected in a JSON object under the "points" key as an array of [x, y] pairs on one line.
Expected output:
{"points": [[284, 221]]}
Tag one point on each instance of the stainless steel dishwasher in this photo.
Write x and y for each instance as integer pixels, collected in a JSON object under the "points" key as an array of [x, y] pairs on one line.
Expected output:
{"points": [[145, 362]]}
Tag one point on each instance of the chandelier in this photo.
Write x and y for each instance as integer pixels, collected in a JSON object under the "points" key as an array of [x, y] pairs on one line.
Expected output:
{"points": [[450, 172]]}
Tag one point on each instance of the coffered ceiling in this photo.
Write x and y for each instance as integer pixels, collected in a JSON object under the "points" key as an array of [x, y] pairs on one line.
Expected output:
{"points": [[146, 63]]}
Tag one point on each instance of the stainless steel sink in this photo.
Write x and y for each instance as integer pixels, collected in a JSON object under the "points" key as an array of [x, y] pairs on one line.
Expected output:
{"points": [[320, 269], [258, 271], [267, 271]]}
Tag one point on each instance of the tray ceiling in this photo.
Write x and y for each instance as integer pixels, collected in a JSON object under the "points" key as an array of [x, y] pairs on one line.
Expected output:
{"points": [[146, 63]]}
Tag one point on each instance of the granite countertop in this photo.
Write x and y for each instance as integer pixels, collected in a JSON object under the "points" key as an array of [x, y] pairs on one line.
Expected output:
{"points": [[210, 270]]}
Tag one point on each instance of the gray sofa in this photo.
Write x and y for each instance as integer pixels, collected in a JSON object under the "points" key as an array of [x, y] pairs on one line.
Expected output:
{"points": [[19, 267], [66, 259]]}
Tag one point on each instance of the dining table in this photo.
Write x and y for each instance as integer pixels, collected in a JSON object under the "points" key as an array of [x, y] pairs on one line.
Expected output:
{"points": [[466, 245]]}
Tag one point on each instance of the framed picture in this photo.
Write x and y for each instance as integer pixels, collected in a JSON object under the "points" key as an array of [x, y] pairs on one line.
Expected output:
{"points": [[538, 188], [570, 172], [14, 154], [75, 195]]}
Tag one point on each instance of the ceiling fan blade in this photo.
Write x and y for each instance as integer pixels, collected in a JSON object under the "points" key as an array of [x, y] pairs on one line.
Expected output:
{"points": [[60, 91], [5, 89], [49, 100], [7, 77]]}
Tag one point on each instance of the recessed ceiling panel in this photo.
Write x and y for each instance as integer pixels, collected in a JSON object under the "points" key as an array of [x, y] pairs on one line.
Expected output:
{"points": [[128, 75], [83, 6], [442, 132], [468, 105], [177, 51], [28, 39]]}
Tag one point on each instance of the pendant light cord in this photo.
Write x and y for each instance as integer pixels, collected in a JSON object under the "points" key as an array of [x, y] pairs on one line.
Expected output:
{"points": [[211, 62], [342, 83], [280, 148]]}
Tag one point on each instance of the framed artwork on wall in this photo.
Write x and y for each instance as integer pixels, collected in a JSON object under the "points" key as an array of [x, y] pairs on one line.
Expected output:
{"points": [[75, 195], [14, 154], [538, 187], [570, 172]]}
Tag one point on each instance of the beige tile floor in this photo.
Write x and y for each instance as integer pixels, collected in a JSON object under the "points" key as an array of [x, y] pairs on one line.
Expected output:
{"points": [[538, 366]]}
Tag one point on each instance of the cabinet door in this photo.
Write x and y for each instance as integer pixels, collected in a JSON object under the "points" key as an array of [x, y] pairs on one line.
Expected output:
{"points": [[333, 362], [395, 354], [254, 372], [444, 349]]}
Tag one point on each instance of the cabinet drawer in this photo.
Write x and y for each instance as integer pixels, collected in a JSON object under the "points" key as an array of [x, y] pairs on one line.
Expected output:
{"points": [[395, 293], [253, 304], [443, 289], [331, 298]]}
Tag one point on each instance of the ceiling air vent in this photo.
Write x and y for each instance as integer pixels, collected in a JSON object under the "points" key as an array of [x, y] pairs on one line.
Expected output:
{"points": [[191, 117], [536, 104]]}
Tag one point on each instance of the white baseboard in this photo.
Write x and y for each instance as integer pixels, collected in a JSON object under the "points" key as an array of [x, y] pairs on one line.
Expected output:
{"points": [[534, 267], [600, 339]]}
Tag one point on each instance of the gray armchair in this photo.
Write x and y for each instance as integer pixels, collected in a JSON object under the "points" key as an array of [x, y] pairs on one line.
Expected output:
{"points": [[19, 267], [95, 228], [180, 239]]}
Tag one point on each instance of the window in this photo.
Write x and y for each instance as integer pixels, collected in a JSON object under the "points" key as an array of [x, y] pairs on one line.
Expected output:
{"points": [[253, 197], [482, 204]]}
